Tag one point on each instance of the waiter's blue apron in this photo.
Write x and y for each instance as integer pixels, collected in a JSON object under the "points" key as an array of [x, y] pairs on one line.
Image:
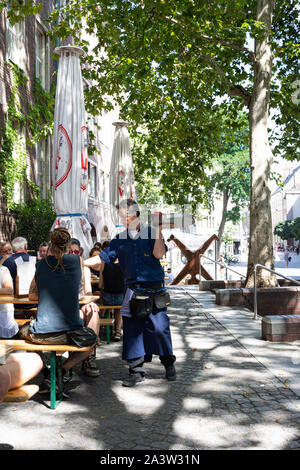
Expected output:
{"points": [[147, 336]]}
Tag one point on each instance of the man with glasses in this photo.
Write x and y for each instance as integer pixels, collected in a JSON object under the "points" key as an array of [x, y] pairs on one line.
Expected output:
{"points": [[5, 251], [139, 249]]}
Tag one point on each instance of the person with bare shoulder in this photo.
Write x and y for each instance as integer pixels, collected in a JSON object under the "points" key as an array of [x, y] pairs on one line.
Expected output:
{"points": [[59, 319]]}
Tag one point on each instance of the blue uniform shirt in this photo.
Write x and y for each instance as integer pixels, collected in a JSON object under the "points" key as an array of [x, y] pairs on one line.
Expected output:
{"points": [[135, 256]]}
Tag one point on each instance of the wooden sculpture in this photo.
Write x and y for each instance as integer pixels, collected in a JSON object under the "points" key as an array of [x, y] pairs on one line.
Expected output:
{"points": [[192, 257]]}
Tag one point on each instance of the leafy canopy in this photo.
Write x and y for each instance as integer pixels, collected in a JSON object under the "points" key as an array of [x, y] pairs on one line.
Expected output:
{"points": [[182, 72]]}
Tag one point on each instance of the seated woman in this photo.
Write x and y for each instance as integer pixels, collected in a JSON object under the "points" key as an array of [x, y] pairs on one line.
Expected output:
{"points": [[8, 326], [112, 285], [56, 286], [85, 288], [94, 273]]}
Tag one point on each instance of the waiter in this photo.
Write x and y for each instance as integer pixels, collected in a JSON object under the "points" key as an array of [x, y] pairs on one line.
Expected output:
{"points": [[139, 249]]}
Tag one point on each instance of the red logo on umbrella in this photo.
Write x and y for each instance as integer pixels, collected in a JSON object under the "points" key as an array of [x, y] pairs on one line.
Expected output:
{"points": [[132, 190], [121, 182], [63, 156], [84, 161]]}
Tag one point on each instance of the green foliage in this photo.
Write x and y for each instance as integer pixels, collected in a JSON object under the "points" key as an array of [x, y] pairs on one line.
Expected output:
{"points": [[12, 161], [295, 228], [288, 229], [284, 230], [41, 113], [285, 87], [38, 123], [18, 10], [231, 176], [34, 219]]}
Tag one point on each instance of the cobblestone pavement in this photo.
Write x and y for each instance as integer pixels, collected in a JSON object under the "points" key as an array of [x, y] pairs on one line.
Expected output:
{"points": [[223, 399]]}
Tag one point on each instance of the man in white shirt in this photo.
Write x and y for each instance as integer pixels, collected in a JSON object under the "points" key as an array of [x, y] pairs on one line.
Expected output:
{"points": [[170, 277]]}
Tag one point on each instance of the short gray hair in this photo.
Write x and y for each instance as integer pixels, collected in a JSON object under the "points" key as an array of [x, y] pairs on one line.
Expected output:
{"points": [[19, 243]]}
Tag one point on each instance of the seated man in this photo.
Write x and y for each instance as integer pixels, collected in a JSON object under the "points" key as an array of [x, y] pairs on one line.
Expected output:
{"points": [[8, 326], [18, 369], [19, 246], [56, 286], [43, 250], [85, 284], [5, 251]]}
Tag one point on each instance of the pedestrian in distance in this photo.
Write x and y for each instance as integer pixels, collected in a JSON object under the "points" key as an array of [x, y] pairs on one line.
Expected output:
{"points": [[287, 258], [169, 276]]}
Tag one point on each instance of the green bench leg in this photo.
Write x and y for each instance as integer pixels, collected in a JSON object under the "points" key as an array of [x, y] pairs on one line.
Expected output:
{"points": [[55, 365], [107, 329]]}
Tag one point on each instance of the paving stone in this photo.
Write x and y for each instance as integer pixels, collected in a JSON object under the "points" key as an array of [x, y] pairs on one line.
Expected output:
{"points": [[224, 398]]}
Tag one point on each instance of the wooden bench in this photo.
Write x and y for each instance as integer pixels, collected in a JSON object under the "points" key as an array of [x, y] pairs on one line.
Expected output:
{"points": [[23, 393], [56, 351], [109, 320]]}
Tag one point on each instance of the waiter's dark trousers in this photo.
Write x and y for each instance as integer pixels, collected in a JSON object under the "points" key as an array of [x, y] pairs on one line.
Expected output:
{"points": [[147, 336]]}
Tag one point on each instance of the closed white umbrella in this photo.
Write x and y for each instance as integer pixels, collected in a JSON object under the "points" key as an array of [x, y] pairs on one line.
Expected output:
{"points": [[121, 183], [69, 163]]}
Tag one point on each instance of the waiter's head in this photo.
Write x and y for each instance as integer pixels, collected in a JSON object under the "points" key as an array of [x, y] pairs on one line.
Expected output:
{"points": [[129, 213]]}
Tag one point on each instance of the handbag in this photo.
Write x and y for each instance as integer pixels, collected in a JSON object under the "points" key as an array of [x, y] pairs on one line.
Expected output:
{"points": [[82, 337]]}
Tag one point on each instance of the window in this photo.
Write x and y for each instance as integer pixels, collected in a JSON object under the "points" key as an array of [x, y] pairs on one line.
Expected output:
{"points": [[15, 43], [41, 57], [42, 166], [102, 186], [92, 174]]}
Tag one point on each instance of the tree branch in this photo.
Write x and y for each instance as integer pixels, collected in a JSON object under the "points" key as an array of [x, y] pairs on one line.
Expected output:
{"points": [[234, 90], [238, 90], [221, 41]]}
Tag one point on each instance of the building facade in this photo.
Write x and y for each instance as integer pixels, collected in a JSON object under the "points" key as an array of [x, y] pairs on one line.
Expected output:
{"points": [[285, 199], [27, 98], [27, 72]]}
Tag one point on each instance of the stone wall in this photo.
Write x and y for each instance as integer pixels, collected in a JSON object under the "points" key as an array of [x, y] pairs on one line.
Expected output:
{"points": [[270, 301]]}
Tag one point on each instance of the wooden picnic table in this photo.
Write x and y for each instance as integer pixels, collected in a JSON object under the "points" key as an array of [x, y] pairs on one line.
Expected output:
{"points": [[11, 299], [4, 350]]}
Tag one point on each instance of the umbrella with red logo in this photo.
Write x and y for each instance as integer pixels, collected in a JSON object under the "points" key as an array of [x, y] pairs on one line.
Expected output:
{"points": [[69, 162], [121, 183]]}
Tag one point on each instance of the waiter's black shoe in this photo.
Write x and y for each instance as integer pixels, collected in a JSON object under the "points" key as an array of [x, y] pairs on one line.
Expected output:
{"points": [[133, 379], [171, 373]]}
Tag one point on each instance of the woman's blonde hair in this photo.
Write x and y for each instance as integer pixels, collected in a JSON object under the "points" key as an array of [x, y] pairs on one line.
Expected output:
{"points": [[60, 241]]}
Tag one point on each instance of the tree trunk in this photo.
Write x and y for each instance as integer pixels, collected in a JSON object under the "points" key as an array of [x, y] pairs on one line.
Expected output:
{"points": [[223, 222], [261, 234]]}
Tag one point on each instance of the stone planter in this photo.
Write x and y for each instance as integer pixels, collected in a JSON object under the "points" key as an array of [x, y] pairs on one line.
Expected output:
{"points": [[270, 301]]}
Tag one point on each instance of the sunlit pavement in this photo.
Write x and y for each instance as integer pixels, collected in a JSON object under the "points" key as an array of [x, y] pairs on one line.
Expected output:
{"points": [[225, 396]]}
